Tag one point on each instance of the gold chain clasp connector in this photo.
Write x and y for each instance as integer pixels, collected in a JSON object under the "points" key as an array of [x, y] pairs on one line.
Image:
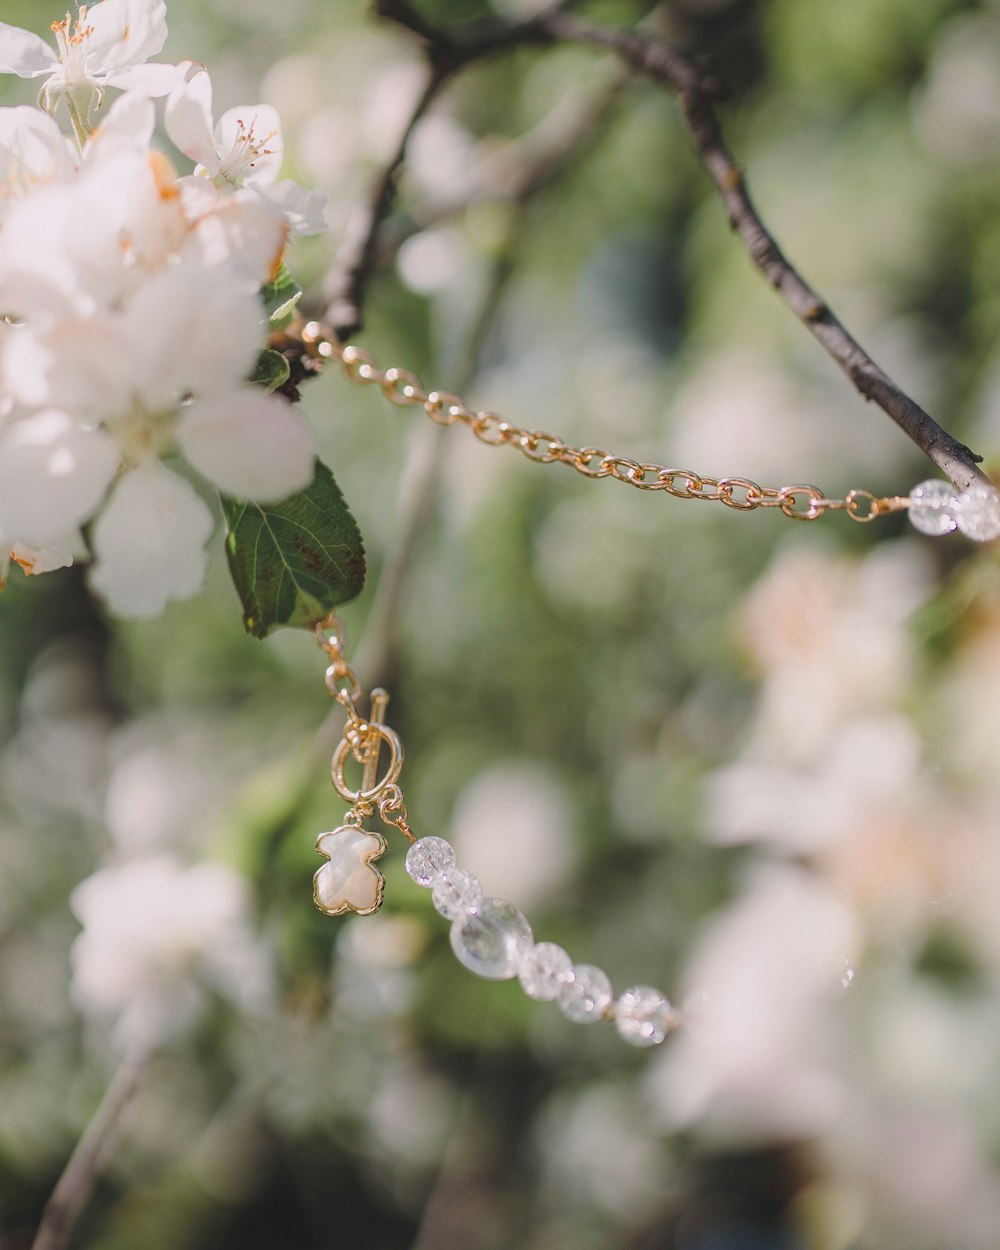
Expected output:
{"points": [[349, 882], [363, 740]]}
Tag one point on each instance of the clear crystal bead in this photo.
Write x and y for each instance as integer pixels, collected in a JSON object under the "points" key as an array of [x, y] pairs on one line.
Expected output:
{"points": [[979, 513], [643, 1016], [934, 507], [544, 970], [427, 859], [456, 892], [491, 941], [587, 997]]}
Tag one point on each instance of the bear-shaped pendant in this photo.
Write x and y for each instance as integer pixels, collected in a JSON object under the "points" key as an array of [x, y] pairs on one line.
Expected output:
{"points": [[349, 882]]}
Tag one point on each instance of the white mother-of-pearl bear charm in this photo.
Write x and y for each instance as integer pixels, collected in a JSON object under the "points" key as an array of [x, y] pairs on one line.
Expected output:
{"points": [[349, 882]]}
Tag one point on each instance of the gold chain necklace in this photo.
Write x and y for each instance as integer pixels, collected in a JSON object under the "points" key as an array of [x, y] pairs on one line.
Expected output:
{"points": [[935, 507], [489, 935]]}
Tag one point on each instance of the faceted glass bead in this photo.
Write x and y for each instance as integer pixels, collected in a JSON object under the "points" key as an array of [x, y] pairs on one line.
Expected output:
{"points": [[427, 859], [934, 507], [544, 970], [642, 1016], [456, 892], [587, 997], [979, 513], [492, 940]]}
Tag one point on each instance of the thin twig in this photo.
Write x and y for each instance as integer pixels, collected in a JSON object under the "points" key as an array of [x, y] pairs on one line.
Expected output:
{"points": [[698, 94], [90, 1157], [348, 283], [453, 1208]]}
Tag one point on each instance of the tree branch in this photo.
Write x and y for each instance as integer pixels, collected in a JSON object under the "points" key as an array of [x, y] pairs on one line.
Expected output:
{"points": [[88, 1161], [655, 59], [698, 93], [475, 43]]}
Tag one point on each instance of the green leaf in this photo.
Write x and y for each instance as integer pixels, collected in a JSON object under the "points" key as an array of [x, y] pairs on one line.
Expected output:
{"points": [[280, 298], [272, 370], [295, 561]]}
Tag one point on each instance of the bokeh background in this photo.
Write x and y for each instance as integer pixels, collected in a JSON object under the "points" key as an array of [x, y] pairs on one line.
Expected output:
{"points": [[724, 754]]}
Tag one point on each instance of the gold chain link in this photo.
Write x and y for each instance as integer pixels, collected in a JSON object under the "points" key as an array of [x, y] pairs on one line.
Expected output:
{"points": [[362, 739], [801, 502], [341, 680]]}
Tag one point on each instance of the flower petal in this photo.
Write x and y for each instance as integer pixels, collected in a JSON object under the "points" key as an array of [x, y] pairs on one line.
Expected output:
{"points": [[250, 444], [150, 542], [192, 332], [69, 236], [32, 148], [25, 54], [145, 216], [245, 232], [53, 474], [80, 366], [304, 209], [124, 32], [188, 119], [128, 125], [34, 561], [149, 80]]}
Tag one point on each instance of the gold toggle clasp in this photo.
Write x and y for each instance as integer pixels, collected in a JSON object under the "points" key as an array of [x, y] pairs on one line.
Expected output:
{"points": [[364, 741]]}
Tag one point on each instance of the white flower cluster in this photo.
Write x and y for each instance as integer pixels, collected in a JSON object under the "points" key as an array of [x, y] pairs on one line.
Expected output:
{"points": [[158, 938], [130, 308], [870, 836]]}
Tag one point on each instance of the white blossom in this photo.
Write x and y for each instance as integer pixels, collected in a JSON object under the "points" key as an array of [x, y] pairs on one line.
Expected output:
{"points": [[513, 827], [840, 646], [760, 1061], [156, 937], [104, 44], [134, 396], [243, 150], [131, 310], [869, 773], [127, 359]]}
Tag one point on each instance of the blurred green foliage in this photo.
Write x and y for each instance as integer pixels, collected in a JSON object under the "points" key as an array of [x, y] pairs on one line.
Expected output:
{"points": [[389, 1099]]}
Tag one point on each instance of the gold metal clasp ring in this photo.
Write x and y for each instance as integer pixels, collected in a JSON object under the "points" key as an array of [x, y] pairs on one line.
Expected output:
{"points": [[364, 743]]}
